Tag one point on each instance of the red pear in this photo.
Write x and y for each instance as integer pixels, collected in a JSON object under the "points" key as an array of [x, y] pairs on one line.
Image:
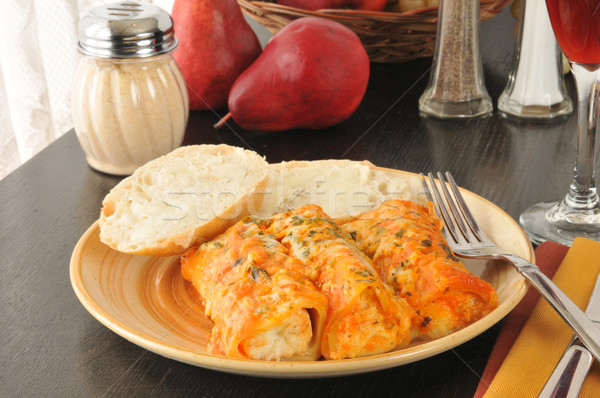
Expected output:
{"points": [[312, 74], [372, 5], [216, 45], [312, 4]]}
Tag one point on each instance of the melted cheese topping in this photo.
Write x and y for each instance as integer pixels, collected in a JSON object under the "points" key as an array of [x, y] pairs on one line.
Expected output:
{"points": [[263, 279], [407, 247], [365, 330], [258, 296], [286, 340], [364, 317]]}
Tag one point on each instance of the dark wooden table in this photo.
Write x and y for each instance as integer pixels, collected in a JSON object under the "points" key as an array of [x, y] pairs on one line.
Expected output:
{"points": [[50, 345]]}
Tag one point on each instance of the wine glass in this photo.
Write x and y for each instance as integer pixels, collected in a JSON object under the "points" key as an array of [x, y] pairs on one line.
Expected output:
{"points": [[576, 25]]}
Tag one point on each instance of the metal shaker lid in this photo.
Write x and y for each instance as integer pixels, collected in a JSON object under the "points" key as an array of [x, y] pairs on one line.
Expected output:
{"points": [[126, 30]]}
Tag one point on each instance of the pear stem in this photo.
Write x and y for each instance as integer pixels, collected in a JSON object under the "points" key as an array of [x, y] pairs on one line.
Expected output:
{"points": [[223, 121]]}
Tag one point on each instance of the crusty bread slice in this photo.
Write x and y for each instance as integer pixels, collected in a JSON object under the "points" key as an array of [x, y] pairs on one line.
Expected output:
{"points": [[343, 188], [185, 197]]}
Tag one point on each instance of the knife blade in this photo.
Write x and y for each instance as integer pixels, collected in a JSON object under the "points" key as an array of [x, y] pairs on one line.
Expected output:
{"points": [[570, 372]]}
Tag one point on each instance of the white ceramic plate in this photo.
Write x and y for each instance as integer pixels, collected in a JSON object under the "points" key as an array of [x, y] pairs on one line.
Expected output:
{"points": [[146, 300]]}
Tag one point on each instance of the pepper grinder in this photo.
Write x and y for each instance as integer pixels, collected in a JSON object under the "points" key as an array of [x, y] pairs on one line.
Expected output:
{"points": [[456, 88], [536, 86]]}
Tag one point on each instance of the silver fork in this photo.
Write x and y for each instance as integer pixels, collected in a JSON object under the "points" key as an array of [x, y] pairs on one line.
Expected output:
{"points": [[467, 240]]}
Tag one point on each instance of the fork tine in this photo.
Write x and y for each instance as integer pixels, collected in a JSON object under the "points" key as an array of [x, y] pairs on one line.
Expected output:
{"points": [[425, 188], [470, 220], [458, 218], [441, 208]]}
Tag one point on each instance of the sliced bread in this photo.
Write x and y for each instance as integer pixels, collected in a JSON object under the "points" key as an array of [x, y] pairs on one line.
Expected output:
{"points": [[185, 197], [343, 188]]}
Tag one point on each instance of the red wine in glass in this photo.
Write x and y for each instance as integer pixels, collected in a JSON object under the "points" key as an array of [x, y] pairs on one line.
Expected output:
{"points": [[576, 25]]}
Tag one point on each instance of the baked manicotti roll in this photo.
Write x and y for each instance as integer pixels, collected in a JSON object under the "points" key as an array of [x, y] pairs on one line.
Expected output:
{"points": [[261, 300], [364, 316], [405, 242]]}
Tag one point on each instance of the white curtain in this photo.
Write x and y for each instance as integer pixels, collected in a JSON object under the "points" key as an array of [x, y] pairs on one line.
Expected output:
{"points": [[38, 58]]}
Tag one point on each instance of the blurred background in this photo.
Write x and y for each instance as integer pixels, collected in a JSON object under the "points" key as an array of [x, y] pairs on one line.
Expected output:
{"points": [[38, 59]]}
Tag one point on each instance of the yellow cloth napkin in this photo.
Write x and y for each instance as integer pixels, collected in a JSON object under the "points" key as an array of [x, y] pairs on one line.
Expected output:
{"points": [[545, 336]]}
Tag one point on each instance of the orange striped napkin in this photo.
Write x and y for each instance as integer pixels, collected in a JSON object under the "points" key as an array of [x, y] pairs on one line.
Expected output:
{"points": [[539, 334]]}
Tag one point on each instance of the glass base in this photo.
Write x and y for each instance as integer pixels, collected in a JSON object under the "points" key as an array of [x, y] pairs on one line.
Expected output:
{"points": [[476, 107], [549, 221], [511, 108]]}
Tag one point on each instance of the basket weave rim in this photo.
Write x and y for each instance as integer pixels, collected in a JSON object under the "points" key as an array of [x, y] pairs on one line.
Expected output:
{"points": [[387, 36], [488, 6]]}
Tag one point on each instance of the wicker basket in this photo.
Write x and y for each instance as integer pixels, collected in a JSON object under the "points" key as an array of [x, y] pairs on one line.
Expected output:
{"points": [[387, 36]]}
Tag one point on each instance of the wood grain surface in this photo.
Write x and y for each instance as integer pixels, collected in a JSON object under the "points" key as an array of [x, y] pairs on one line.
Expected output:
{"points": [[50, 345]]}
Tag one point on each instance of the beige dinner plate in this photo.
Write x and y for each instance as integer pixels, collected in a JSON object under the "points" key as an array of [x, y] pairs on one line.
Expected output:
{"points": [[146, 300]]}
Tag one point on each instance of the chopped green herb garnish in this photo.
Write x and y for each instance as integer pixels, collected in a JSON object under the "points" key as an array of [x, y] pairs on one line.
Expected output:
{"points": [[238, 262], [365, 273], [256, 273], [400, 233], [450, 254], [426, 321]]}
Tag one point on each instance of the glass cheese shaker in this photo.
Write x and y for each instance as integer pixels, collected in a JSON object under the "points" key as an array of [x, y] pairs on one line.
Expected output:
{"points": [[129, 101]]}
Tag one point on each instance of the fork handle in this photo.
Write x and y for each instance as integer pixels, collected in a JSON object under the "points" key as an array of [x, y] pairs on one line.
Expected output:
{"points": [[568, 376], [587, 331]]}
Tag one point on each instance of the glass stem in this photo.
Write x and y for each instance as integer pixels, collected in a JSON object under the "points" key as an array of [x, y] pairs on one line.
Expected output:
{"points": [[582, 193]]}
